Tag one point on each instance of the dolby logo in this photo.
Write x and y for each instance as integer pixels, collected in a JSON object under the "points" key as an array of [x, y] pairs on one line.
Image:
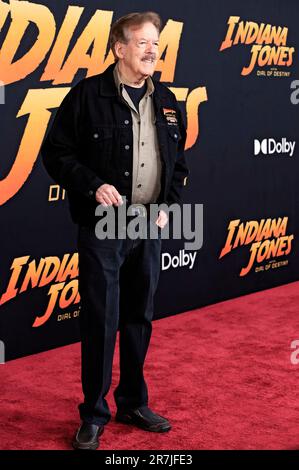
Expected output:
{"points": [[270, 146], [182, 260]]}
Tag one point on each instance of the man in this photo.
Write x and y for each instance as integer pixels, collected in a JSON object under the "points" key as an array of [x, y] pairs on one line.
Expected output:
{"points": [[117, 135]]}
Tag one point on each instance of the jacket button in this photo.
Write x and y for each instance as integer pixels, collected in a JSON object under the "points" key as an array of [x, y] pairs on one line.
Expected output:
{"points": [[127, 121], [138, 185], [127, 147], [90, 192], [142, 164], [96, 135], [175, 136], [127, 173]]}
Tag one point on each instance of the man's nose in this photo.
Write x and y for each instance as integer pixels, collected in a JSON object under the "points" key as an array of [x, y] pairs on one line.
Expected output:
{"points": [[151, 47]]}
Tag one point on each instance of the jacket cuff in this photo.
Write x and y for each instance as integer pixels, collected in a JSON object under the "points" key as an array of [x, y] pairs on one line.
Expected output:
{"points": [[92, 188]]}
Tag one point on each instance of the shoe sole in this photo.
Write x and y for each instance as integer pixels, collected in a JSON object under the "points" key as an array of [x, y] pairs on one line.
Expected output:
{"points": [[165, 428], [78, 446]]}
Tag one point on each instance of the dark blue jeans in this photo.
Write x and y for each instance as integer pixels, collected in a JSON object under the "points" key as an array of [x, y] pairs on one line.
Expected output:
{"points": [[117, 282]]}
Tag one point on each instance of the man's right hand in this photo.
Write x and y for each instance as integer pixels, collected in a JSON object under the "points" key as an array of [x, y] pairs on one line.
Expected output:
{"points": [[107, 195]]}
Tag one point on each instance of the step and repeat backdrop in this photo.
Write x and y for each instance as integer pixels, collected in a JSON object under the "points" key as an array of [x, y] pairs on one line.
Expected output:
{"points": [[233, 67]]}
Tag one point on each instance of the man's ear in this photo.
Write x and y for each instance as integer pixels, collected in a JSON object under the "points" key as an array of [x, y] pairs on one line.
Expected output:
{"points": [[119, 49]]}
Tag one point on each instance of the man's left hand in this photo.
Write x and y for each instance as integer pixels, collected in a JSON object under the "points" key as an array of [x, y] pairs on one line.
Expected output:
{"points": [[162, 219]]}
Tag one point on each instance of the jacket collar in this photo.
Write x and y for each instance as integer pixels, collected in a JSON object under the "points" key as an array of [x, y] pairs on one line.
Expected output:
{"points": [[107, 87], [107, 84]]}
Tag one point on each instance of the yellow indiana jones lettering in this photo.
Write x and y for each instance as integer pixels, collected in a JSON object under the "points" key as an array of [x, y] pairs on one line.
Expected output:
{"points": [[269, 43], [62, 273]]}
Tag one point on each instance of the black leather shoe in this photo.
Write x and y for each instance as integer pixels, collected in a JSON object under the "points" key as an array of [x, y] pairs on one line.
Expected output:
{"points": [[143, 418], [87, 436]]}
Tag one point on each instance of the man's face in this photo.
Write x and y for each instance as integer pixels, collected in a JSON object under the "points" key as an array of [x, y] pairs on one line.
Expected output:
{"points": [[141, 53]]}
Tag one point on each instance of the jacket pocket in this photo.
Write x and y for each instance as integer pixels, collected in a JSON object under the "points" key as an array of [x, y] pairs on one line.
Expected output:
{"points": [[99, 134], [173, 138], [97, 147], [174, 133]]}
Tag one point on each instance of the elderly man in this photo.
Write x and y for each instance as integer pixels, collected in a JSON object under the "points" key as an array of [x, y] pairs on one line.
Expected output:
{"points": [[117, 135]]}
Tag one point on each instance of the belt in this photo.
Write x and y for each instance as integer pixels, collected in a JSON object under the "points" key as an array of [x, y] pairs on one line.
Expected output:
{"points": [[142, 210]]}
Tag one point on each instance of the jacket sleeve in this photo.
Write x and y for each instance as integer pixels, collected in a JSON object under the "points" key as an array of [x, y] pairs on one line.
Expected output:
{"points": [[181, 170], [60, 149]]}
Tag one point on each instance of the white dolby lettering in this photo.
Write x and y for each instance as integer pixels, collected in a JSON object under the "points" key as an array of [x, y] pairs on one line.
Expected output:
{"points": [[181, 260], [281, 147]]}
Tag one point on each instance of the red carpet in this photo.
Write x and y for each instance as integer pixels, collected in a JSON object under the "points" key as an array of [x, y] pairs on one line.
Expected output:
{"points": [[221, 374]]}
